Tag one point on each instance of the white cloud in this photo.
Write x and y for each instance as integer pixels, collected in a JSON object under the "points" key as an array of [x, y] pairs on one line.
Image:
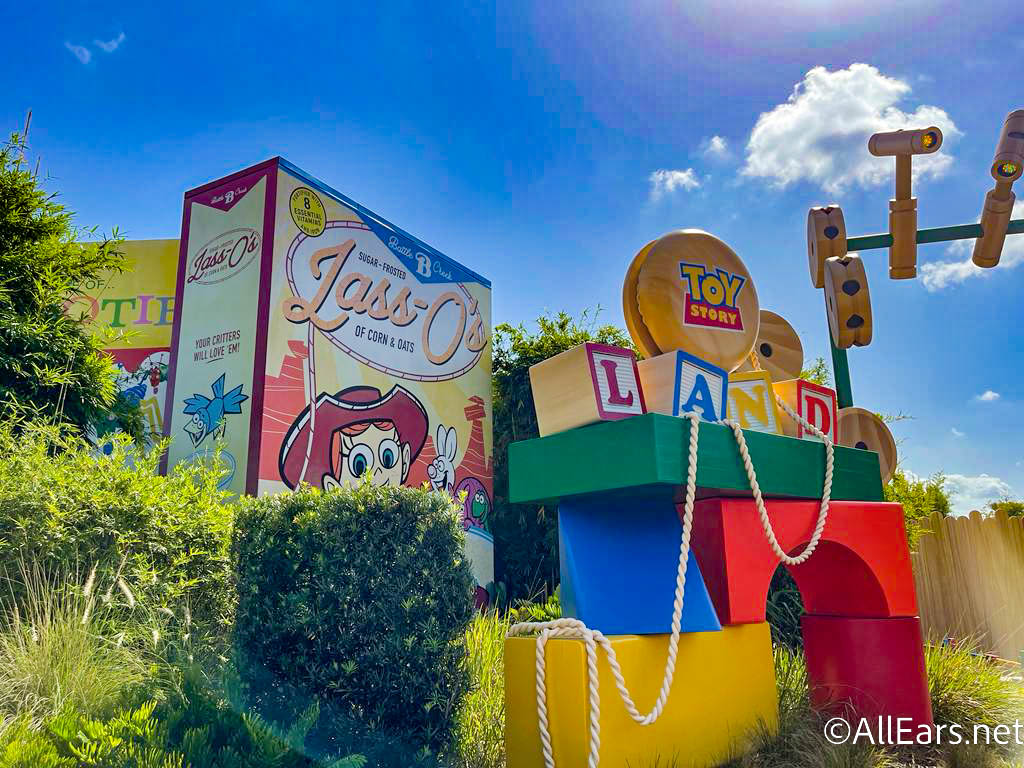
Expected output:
{"points": [[937, 275], [666, 182], [820, 134], [969, 492], [111, 45], [716, 148], [956, 432], [988, 396], [81, 53]]}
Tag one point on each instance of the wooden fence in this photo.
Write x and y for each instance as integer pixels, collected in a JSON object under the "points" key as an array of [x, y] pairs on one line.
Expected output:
{"points": [[969, 574]]}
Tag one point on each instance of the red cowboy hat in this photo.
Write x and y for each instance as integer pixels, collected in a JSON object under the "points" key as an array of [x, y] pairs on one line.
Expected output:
{"points": [[354, 405]]}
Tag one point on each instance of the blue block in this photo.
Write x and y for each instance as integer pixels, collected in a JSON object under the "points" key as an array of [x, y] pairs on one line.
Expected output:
{"points": [[618, 562], [701, 387]]}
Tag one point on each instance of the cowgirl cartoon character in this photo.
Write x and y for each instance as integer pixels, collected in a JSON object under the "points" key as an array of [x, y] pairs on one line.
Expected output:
{"points": [[354, 431]]}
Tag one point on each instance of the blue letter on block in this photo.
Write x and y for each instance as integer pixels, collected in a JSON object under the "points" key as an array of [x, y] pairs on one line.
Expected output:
{"points": [[701, 388], [618, 567]]}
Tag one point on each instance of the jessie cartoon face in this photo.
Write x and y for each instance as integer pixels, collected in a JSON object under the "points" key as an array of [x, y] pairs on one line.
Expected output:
{"points": [[351, 433]]}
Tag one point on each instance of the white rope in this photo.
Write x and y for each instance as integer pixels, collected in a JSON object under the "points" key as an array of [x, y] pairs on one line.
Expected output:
{"points": [[574, 628]]}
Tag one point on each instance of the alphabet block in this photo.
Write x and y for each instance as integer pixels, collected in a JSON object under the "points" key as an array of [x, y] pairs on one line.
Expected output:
{"points": [[585, 384], [874, 667], [813, 402], [861, 567], [678, 382], [724, 691], [618, 567], [752, 402]]}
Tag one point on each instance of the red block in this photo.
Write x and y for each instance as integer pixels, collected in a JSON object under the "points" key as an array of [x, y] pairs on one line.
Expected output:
{"points": [[860, 568], [867, 668]]}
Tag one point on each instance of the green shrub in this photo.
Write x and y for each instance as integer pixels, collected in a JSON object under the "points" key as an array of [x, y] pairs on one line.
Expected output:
{"points": [[360, 598], [168, 537], [526, 535]]}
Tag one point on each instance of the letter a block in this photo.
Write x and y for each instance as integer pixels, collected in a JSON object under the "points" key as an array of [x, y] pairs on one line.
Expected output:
{"points": [[584, 385], [752, 402], [813, 402], [677, 382]]}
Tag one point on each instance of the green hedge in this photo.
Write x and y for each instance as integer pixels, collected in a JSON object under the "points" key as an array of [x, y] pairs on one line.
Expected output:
{"points": [[71, 511], [359, 598]]}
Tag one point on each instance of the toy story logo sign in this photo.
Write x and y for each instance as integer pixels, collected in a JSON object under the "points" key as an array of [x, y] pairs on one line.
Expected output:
{"points": [[711, 297], [373, 305]]}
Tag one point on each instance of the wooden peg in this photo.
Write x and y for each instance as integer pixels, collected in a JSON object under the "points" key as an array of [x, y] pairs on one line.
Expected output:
{"points": [[848, 302], [583, 385], [778, 348], [903, 227], [826, 237], [860, 428]]}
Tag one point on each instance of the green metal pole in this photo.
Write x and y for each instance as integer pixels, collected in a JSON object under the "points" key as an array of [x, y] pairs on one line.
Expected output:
{"points": [[936, 235], [841, 372]]}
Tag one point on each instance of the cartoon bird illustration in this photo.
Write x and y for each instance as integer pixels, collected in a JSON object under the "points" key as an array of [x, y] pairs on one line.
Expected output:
{"points": [[208, 413]]}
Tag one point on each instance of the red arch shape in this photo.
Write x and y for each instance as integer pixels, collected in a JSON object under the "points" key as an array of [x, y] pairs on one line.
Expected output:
{"points": [[860, 569]]}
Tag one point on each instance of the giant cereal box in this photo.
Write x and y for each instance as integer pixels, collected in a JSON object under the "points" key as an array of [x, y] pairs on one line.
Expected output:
{"points": [[315, 342]]}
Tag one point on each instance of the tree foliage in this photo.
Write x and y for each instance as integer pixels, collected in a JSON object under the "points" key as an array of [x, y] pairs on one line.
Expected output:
{"points": [[920, 499], [526, 535], [1011, 508], [51, 367]]}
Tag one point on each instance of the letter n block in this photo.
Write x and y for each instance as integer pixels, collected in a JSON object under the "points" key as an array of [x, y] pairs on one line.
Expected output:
{"points": [[584, 385], [813, 402], [752, 402], [677, 382]]}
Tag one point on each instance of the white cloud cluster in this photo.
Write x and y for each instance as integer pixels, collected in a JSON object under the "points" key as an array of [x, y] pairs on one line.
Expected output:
{"points": [[988, 396], [937, 275], [80, 52], [970, 492], [111, 45], [666, 182], [716, 148], [84, 55], [820, 133], [956, 432]]}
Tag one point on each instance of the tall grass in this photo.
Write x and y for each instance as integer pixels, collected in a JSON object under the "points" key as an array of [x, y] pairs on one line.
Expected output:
{"points": [[480, 726], [59, 651]]}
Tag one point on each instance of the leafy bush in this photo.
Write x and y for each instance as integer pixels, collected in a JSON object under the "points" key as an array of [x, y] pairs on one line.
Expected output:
{"points": [[784, 609], [359, 598], [920, 499], [168, 537], [526, 535]]}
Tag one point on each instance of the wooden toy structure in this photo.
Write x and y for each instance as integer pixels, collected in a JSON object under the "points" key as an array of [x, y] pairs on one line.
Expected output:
{"points": [[788, 471]]}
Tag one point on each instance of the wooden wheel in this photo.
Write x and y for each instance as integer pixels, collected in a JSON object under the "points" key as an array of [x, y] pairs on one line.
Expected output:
{"points": [[860, 428], [778, 348], [848, 302], [826, 237], [634, 320]]}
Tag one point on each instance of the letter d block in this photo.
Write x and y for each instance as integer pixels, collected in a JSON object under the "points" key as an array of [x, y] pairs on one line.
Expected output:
{"points": [[677, 382], [813, 402], [752, 402], [584, 385]]}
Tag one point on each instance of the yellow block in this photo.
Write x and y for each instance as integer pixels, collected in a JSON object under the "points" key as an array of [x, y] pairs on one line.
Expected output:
{"points": [[724, 689], [752, 401]]}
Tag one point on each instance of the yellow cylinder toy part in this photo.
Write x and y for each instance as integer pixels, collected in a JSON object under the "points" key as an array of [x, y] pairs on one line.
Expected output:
{"points": [[922, 141], [778, 348], [631, 312], [695, 294], [848, 302], [1008, 164], [860, 428], [723, 694], [826, 237]]}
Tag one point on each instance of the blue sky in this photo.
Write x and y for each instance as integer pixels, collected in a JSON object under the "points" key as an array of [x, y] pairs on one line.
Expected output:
{"points": [[542, 144]]}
